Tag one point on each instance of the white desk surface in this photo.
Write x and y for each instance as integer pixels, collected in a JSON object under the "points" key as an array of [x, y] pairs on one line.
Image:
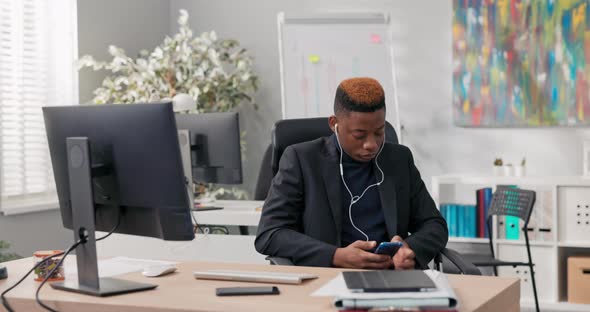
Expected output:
{"points": [[211, 247], [234, 212]]}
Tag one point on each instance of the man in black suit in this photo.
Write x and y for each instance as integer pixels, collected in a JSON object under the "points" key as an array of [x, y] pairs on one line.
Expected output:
{"points": [[335, 198]]}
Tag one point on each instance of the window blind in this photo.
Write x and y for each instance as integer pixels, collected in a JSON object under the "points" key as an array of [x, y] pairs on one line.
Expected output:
{"points": [[38, 47]]}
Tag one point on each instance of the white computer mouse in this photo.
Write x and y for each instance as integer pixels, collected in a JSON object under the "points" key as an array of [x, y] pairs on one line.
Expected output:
{"points": [[158, 270]]}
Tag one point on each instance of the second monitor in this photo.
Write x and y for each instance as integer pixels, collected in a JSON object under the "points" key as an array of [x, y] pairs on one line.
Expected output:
{"points": [[214, 145]]}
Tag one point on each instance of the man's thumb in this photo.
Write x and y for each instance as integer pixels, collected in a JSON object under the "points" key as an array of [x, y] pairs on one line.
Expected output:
{"points": [[364, 244], [397, 238]]}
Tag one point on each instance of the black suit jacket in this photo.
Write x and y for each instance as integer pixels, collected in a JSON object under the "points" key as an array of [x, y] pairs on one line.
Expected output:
{"points": [[302, 215]]}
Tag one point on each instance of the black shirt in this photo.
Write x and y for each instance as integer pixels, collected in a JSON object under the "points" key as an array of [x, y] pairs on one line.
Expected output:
{"points": [[367, 213]]}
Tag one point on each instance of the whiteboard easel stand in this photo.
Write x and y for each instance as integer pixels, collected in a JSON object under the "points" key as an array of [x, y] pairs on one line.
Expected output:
{"points": [[394, 82], [385, 16]]}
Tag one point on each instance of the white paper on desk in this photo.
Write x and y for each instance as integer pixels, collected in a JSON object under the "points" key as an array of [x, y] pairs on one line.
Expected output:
{"points": [[337, 288], [116, 266]]}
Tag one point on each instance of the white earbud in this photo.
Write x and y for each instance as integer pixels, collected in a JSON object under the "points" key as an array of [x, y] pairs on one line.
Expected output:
{"points": [[354, 199]]}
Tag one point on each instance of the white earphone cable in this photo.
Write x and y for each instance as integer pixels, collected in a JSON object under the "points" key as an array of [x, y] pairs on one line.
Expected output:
{"points": [[355, 199]]}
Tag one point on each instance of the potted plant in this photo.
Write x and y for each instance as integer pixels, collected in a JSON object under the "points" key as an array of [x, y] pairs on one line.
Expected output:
{"points": [[4, 254], [498, 167], [216, 74]]}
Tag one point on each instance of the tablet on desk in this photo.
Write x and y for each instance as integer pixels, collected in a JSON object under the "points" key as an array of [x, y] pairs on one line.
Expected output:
{"points": [[388, 281], [254, 276]]}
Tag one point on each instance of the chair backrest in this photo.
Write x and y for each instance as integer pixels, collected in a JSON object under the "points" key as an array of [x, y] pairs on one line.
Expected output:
{"points": [[264, 175], [509, 201], [287, 132]]}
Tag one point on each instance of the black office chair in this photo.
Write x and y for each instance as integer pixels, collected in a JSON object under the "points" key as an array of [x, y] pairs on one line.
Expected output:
{"points": [[265, 175], [508, 201], [292, 131]]}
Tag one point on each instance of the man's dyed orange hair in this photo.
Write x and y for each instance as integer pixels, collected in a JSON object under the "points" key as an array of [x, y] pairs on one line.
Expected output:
{"points": [[359, 95]]}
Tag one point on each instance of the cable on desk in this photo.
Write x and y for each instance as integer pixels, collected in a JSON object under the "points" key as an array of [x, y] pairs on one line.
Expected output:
{"points": [[64, 257], [5, 301], [53, 271]]}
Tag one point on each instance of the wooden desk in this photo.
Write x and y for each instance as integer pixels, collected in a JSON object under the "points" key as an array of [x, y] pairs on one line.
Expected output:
{"points": [[181, 292]]}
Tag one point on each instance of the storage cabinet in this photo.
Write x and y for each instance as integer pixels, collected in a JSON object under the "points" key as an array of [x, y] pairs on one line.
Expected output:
{"points": [[559, 227]]}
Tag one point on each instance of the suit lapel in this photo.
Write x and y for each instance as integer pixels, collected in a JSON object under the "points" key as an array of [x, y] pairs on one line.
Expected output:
{"points": [[332, 184], [387, 194]]}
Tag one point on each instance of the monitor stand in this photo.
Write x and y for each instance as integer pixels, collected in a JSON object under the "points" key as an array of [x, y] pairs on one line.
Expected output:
{"points": [[81, 194], [185, 153]]}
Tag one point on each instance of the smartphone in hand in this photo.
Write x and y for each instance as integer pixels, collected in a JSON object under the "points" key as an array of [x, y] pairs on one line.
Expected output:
{"points": [[388, 248]]}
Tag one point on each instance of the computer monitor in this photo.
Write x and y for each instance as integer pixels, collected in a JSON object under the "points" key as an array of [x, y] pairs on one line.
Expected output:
{"points": [[214, 146], [117, 164]]}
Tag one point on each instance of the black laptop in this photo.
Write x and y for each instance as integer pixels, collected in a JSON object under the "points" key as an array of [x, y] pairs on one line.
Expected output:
{"points": [[388, 281]]}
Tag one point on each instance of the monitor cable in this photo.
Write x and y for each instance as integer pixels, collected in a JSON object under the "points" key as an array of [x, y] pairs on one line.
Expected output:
{"points": [[5, 301], [65, 254]]}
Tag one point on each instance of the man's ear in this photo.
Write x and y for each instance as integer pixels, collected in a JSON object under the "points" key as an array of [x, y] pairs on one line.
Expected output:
{"points": [[332, 121]]}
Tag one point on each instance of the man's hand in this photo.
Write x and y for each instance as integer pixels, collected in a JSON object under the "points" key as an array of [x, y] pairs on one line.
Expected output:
{"points": [[356, 256], [404, 257]]}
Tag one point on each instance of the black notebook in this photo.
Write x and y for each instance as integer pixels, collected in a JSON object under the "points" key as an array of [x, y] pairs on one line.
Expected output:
{"points": [[388, 281]]}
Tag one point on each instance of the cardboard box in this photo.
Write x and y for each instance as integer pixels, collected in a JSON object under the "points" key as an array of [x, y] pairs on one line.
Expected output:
{"points": [[578, 279]]}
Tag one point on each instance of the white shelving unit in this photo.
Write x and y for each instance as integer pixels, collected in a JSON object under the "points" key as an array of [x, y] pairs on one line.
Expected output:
{"points": [[562, 204]]}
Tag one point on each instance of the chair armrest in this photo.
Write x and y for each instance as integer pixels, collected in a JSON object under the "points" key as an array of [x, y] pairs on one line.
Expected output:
{"points": [[465, 267], [279, 261]]}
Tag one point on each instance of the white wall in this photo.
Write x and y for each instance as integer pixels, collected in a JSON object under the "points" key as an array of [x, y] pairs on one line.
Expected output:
{"points": [[422, 32], [34, 231], [129, 24]]}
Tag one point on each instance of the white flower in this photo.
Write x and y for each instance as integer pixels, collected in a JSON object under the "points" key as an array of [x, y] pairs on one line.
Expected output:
{"points": [[158, 53], [205, 39], [132, 94], [121, 80], [241, 65], [142, 63], [85, 61], [213, 57], [179, 76], [205, 65], [216, 72], [98, 65], [116, 52], [195, 92], [199, 73], [183, 18]]}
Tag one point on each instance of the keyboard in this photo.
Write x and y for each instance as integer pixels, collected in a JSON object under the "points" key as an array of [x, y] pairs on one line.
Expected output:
{"points": [[254, 276]]}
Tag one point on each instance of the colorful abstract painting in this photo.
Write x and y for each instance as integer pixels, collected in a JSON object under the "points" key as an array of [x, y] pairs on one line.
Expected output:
{"points": [[519, 63]]}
